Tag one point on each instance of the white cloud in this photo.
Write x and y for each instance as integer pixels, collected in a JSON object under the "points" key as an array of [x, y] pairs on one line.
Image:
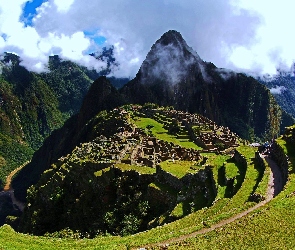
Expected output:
{"points": [[278, 90], [244, 34], [211, 27], [63, 5], [33, 46], [275, 39]]}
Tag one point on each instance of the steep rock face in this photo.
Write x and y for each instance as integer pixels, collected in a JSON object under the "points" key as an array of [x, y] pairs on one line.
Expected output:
{"points": [[101, 95], [173, 74]]}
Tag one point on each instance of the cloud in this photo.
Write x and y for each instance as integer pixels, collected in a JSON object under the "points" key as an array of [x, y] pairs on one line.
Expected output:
{"points": [[274, 47], [278, 90], [232, 34], [33, 46], [211, 27], [64, 5]]}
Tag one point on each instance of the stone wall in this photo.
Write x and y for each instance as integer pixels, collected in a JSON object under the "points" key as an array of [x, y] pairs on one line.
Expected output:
{"points": [[240, 159], [204, 179], [168, 178], [259, 161], [281, 159]]}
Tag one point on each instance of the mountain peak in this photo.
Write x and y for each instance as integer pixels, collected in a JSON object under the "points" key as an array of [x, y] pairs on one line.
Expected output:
{"points": [[170, 59], [171, 37]]}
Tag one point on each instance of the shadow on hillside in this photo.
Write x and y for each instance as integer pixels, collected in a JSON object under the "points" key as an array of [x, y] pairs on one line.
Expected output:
{"points": [[234, 184], [260, 171], [291, 154]]}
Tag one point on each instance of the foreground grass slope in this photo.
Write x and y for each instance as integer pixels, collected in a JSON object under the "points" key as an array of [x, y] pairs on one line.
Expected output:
{"points": [[271, 226], [188, 224]]}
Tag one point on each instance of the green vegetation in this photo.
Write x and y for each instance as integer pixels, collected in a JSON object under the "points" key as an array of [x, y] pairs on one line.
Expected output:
{"points": [[33, 105], [231, 170], [163, 187], [263, 184], [222, 208], [131, 198], [88, 191], [12, 155], [286, 81], [139, 169], [179, 168], [269, 226], [157, 130]]}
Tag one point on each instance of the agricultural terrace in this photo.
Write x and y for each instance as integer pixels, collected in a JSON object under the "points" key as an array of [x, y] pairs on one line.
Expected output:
{"points": [[156, 129]]}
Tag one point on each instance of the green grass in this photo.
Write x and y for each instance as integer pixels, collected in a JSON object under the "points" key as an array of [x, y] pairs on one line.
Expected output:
{"points": [[221, 209], [101, 172], [289, 150], [177, 211], [128, 167], [179, 168], [263, 184], [217, 161], [270, 227], [139, 169], [231, 170], [12, 155], [162, 134], [163, 187]]}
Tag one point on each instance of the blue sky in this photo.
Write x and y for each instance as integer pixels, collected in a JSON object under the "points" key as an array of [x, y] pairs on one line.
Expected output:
{"points": [[243, 35], [29, 11]]}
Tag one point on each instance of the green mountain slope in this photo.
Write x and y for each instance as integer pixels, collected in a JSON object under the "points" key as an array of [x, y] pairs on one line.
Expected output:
{"points": [[102, 95], [33, 105], [282, 87]]}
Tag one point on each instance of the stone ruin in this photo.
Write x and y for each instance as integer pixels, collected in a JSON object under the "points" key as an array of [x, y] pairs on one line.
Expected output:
{"points": [[131, 145], [202, 130]]}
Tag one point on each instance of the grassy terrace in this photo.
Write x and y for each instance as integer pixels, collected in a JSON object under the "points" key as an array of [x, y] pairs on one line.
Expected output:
{"points": [[162, 134], [127, 167], [270, 227], [179, 168], [221, 209], [263, 184], [139, 169], [239, 202]]}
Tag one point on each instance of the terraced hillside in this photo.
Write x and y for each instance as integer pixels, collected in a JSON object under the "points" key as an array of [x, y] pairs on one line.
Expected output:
{"points": [[150, 172], [157, 186]]}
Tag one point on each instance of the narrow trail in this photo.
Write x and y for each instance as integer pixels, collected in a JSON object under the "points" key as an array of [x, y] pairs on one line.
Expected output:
{"points": [[275, 186], [8, 188]]}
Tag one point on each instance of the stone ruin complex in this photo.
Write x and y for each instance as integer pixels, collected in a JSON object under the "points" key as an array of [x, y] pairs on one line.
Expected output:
{"points": [[131, 145]]}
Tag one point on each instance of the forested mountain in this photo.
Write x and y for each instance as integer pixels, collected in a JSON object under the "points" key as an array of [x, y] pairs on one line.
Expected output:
{"points": [[282, 86], [33, 105]]}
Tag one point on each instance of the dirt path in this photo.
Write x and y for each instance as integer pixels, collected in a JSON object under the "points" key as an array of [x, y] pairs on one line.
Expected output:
{"points": [[7, 186], [8, 189], [275, 186]]}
